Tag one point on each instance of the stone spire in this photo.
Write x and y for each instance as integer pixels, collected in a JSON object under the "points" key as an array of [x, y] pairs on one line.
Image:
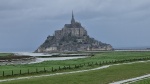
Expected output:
{"points": [[72, 20]]}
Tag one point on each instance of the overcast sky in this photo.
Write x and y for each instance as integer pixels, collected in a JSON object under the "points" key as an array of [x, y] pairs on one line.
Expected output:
{"points": [[25, 24]]}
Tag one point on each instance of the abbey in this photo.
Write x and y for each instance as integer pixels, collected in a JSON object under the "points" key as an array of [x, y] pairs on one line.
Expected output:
{"points": [[72, 37], [74, 29]]}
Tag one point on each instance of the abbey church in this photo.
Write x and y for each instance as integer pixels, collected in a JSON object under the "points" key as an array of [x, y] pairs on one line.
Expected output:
{"points": [[74, 29], [72, 37]]}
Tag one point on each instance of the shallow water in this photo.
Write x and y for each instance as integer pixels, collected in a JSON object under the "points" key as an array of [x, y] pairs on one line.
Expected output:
{"points": [[31, 54], [38, 60]]}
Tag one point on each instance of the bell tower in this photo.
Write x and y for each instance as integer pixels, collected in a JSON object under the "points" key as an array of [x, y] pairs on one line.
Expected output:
{"points": [[72, 19]]}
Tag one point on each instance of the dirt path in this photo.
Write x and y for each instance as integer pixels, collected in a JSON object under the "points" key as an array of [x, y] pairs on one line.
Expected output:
{"points": [[54, 74], [132, 80], [102, 67], [127, 81]]}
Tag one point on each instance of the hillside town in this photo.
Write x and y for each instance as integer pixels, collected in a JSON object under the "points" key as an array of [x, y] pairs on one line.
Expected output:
{"points": [[72, 37]]}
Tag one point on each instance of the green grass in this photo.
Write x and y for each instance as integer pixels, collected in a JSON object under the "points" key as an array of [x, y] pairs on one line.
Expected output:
{"points": [[145, 81], [99, 57], [104, 76], [5, 54]]}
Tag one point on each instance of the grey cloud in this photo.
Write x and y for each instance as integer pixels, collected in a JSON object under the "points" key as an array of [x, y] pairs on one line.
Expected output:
{"points": [[118, 22]]}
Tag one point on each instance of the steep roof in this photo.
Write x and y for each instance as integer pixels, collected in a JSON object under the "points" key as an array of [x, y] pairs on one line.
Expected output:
{"points": [[73, 24]]}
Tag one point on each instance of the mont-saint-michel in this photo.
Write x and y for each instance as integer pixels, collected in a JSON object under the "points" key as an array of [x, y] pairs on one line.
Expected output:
{"points": [[72, 37]]}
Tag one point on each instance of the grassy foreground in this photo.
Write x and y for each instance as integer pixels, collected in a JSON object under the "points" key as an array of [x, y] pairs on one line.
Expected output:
{"points": [[99, 57], [145, 81], [104, 76]]}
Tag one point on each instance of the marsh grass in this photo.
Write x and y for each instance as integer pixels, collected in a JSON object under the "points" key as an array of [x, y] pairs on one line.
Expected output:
{"points": [[99, 57], [5, 54], [104, 76]]}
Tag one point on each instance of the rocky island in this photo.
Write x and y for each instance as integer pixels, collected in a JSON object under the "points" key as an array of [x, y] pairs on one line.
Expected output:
{"points": [[72, 37]]}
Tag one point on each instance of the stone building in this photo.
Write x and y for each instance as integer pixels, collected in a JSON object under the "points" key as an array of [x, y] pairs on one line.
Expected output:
{"points": [[72, 37], [74, 29]]}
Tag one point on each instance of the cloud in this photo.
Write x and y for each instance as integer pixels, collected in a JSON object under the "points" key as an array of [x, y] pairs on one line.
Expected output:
{"points": [[47, 8], [107, 20]]}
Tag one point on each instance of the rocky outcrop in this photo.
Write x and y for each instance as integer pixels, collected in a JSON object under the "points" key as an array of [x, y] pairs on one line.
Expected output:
{"points": [[72, 37]]}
